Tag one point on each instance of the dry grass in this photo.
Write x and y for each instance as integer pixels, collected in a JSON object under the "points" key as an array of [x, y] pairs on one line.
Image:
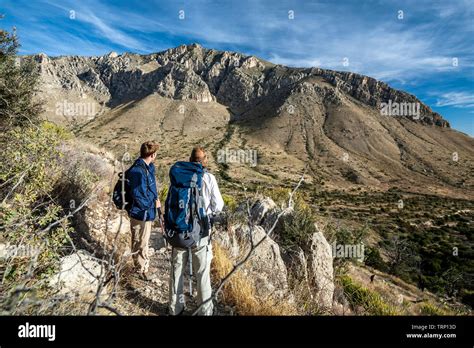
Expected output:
{"points": [[239, 291]]}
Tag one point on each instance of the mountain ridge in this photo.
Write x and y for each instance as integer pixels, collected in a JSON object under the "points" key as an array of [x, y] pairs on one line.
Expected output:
{"points": [[353, 83], [292, 117]]}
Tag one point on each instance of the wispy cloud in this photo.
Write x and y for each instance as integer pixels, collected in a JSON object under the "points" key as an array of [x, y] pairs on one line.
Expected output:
{"points": [[456, 99], [110, 32], [103, 20]]}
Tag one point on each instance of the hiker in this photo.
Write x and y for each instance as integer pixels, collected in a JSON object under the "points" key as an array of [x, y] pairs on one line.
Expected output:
{"points": [[145, 205], [193, 197]]}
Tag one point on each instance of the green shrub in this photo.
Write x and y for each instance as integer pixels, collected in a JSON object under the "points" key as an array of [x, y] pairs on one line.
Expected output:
{"points": [[229, 202], [32, 179], [373, 259], [298, 227], [29, 171], [18, 84], [163, 194], [371, 301]]}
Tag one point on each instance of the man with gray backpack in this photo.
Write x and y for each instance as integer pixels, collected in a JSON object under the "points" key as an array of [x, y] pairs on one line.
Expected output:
{"points": [[192, 198]]}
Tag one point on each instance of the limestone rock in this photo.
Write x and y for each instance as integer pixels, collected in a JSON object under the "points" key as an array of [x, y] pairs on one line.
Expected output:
{"points": [[260, 209], [266, 266], [320, 264], [78, 275]]}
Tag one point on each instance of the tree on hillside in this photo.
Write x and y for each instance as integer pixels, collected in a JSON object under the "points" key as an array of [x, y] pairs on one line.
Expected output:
{"points": [[18, 84], [402, 257]]}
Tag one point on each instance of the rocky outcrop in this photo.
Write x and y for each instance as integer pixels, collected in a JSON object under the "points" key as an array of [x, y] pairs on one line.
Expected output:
{"points": [[320, 268], [271, 265], [191, 72], [101, 225], [373, 93], [260, 210], [265, 267]]}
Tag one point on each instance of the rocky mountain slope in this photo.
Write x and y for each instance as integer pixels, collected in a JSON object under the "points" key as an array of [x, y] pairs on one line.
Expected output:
{"points": [[291, 117]]}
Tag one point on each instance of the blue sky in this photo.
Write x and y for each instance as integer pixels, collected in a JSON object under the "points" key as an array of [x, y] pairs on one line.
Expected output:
{"points": [[427, 49]]}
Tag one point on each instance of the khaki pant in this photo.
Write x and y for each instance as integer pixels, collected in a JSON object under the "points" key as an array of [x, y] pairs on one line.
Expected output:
{"points": [[201, 260], [141, 231]]}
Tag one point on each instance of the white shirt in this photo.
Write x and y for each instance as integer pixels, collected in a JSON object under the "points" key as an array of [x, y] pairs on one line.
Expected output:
{"points": [[213, 201]]}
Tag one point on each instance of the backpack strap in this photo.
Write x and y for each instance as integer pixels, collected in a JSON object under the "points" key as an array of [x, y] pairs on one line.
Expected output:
{"points": [[202, 190], [203, 218], [147, 172]]}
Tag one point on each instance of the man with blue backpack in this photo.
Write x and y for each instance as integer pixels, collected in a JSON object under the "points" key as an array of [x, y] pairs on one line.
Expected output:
{"points": [[192, 198], [137, 195]]}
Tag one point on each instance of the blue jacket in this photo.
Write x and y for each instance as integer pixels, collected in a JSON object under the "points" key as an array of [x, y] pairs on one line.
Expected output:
{"points": [[143, 189]]}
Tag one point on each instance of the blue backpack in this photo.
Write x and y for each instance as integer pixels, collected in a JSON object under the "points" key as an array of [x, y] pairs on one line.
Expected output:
{"points": [[186, 221]]}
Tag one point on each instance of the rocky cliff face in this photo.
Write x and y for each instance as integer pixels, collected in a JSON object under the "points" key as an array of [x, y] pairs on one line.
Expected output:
{"points": [[205, 75], [333, 122]]}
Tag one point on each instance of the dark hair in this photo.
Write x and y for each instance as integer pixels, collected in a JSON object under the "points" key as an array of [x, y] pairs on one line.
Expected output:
{"points": [[148, 148]]}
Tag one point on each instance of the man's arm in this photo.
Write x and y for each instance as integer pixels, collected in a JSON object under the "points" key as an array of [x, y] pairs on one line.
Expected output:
{"points": [[217, 203]]}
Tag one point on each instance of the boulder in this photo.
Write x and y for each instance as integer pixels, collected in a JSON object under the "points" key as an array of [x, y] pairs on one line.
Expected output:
{"points": [[296, 263], [260, 209], [78, 275], [228, 240], [266, 265], [272, 215], [99, 225]]}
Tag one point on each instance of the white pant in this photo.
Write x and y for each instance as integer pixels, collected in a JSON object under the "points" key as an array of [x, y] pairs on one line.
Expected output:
{"points": [[201, 260]]}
